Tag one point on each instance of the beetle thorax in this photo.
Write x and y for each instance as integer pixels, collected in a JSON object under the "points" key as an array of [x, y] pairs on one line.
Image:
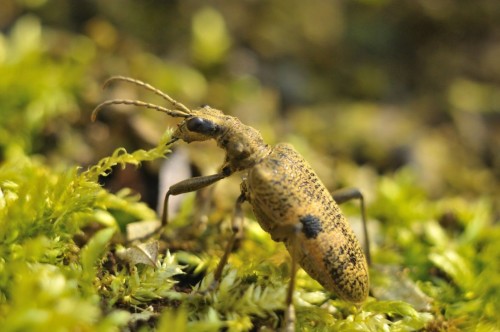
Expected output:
{"points": [[243, 144]]}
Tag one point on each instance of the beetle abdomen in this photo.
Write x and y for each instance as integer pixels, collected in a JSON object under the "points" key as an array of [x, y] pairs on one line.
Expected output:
{"points": [[284, 192]]}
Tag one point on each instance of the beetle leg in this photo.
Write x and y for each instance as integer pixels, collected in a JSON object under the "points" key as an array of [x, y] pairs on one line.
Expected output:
{"points": [[343, 195], [237, 228], [187, 186], [289, 322], [182, 187]]}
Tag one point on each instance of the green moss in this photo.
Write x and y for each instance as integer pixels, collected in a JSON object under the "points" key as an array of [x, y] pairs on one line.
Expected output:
{"points": [[46, 279], [69, 285], [38, 83]]}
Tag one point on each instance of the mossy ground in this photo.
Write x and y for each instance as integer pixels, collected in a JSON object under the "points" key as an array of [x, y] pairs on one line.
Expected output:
{"points": [[61, 233]]}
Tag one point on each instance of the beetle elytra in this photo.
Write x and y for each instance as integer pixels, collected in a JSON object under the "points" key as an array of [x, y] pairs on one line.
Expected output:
{"points": [[287, 198]]}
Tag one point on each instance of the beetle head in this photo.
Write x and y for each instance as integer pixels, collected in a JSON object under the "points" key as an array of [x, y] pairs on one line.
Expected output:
{"points": [[203, 124]]}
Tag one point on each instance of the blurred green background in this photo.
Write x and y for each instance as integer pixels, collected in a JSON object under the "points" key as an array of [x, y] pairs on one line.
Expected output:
{"points": [[368, 91], [382, 84]]}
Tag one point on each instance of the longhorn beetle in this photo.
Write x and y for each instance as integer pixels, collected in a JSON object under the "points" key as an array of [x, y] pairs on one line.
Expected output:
{"points": [[288, 199]]}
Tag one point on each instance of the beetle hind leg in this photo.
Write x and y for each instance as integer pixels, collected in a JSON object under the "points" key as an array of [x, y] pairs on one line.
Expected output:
{"points": [[343, 195]]}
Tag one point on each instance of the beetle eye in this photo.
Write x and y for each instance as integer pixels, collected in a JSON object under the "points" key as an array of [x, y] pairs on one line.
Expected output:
{"points": [[201, 126]]}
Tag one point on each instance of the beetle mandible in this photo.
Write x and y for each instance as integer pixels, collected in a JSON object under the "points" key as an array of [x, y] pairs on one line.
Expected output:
{"points": [[287, 198]]}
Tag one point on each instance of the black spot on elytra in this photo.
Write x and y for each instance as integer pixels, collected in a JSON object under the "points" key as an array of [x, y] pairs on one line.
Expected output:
{"points": [[353, 259], [311, 226]]}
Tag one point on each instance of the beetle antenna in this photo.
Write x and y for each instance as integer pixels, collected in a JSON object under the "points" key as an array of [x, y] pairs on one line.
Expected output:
{"points": [[181, 110], [175, 103], [173, 113]]}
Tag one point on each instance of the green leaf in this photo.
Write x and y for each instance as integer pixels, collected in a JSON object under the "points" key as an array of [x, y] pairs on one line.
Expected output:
{"points": [[455, 266]]}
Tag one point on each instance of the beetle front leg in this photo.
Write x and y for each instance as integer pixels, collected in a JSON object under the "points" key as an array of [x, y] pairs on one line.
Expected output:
{"points": [[343, 195], [189, 185]]}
